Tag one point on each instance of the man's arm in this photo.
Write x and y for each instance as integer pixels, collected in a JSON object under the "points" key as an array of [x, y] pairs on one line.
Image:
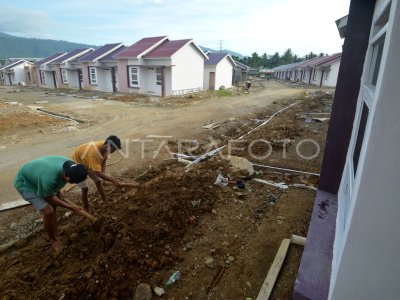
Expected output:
{"points": [[104, 165], [58, 202], [105, 177]]}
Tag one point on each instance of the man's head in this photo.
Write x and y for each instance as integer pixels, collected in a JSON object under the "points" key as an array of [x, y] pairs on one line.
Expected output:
{"points": [[113, 143], [74, 173]]}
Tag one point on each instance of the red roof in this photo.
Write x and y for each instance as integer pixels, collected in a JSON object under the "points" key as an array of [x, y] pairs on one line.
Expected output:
{"points": [[139, 47], [167, 48], [319, 60]]}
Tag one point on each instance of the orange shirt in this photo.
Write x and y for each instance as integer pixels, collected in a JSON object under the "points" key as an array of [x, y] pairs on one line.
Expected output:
{"points": [[89, 155]]}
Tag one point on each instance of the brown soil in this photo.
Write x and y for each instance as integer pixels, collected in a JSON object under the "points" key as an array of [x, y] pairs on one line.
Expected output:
{"points": [[175, 222]]}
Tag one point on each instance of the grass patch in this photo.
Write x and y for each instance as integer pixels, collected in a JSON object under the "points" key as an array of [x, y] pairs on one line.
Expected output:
{"points": [[223, 93]]}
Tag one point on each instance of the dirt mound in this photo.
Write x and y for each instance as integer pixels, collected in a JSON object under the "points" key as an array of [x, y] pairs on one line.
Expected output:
{"points": [[132, 239]]}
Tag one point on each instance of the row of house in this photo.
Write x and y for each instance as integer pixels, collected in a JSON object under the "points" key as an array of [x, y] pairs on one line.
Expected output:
{"points": [[320, 71], [153, 65], [16, 72]]}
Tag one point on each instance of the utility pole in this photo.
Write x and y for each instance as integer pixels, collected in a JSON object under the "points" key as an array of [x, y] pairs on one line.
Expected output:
{"points": [[220, 45]]}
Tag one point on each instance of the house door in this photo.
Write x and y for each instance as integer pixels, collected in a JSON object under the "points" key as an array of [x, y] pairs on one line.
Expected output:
{"points": [[211, 83], [80, 78], [369, 92], [113, 80]]}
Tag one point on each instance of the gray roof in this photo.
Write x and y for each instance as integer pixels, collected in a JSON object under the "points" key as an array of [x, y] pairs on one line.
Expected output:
{"points": [[94, 55], [50, 58], [69, 55]]}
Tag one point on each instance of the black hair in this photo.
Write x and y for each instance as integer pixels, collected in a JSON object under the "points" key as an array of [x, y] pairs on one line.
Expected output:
{"points": [[114, 141], [76, 172]]}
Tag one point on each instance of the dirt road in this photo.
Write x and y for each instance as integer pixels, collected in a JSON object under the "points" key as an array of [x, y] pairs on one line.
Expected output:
{"points": [[128, 120]]}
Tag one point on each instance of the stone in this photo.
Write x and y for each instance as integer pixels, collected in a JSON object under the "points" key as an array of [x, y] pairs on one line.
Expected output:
{"points": [[192, 219], [159, 291], [133, 208], [20, 243], [143, 292], [231, 258], [189, 246], [89, 275], [73, 236], [214, 211], [210, 262]]}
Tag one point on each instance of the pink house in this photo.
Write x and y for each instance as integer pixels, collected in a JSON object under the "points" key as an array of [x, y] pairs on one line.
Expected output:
{"points": [[161, 67]]}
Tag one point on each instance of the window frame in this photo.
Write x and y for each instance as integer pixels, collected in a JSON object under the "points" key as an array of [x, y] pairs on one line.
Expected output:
{"points": [[91, 81], [64, 77], [314, 78], [43, 77], [159, 72], [131, 83]]}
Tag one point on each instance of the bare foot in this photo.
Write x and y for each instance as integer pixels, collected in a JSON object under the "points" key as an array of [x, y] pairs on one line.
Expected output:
{"points": [[57, 247]]}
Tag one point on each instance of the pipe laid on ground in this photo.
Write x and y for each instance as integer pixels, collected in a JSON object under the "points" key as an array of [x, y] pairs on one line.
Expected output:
{"points": [[288, 170], [57, 115]]}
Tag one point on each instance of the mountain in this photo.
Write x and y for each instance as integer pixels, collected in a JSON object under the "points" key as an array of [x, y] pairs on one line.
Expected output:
{"points": [[13, 46], [205, 49]]}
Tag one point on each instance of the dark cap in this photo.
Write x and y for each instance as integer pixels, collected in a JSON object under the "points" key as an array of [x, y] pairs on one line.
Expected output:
{"points": [[76, 172], [114, 141]]}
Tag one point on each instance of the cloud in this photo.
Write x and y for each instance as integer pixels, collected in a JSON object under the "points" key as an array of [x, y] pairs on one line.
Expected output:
{"points": [[24, 22]]}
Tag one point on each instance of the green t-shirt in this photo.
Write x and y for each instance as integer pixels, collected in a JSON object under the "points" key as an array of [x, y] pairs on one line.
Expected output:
{"points": [[42, 176]]}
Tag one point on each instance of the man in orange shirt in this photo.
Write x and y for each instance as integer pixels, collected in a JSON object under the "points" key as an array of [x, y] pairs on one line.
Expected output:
{"points": [[94, 155]]}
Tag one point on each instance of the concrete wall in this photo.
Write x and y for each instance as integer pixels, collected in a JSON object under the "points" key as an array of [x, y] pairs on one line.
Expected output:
{"points": [[188, 70], [122, 75], [368, 265], [224, 73], [73, 78], [333, 75]]}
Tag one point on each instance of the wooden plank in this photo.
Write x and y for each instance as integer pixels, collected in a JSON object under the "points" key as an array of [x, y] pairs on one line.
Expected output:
{"points": [[269, 282], [13, 204]]}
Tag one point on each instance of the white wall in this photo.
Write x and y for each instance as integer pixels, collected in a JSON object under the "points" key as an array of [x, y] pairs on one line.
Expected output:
{"points": [[73, 78], [333, 75], [224, 73], [151, 81], [19, 74], [188, 69], [369, 264]]}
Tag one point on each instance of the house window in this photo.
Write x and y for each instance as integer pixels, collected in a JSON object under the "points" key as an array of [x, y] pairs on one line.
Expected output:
{"points": [[315, 74], [133, 76], [364, 113], [93, 75], [327, 74], [159, 76], [360, 136], [64, 77], [42, 77], [376, 60]]}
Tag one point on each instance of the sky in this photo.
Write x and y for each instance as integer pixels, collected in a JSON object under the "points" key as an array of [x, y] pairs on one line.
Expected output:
{"points": [[244, 26]]}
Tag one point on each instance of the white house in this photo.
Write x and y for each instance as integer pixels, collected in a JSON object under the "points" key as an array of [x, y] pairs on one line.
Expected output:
{"points": [[329, 71], [218, 71], [161, 67], [320, 71], [99, 69], [61, 70], [16, 72], [69, 73], [45, 77], [241, 72], [353, 241]]}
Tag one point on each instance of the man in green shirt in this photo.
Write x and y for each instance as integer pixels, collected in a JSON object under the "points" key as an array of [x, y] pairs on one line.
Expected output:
{"points": [[40, 181]]}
